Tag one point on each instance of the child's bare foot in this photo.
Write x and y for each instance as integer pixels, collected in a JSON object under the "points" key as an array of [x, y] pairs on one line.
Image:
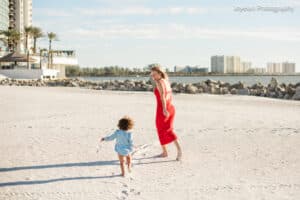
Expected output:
{"points": [[129, 168]]}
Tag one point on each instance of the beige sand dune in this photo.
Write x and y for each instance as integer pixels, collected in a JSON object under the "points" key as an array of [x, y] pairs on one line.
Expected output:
{"points": [[235, 147]]}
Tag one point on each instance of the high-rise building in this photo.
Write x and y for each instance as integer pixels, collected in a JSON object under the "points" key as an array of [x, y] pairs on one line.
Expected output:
{"points": [[20, 16], [274, 68], [288, 68], [226, 64], [258, 70], [245, 67], [23, 15], [218, 64], [4, 23], [11, 14], [4, 13]]}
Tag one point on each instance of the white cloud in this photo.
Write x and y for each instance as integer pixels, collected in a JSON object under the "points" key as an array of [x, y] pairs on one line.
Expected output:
{"points": [[180, 31], [46, 12], [140, 10]]}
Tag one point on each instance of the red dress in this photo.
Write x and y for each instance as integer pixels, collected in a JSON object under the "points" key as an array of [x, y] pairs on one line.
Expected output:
{"points": [[164, 125]]}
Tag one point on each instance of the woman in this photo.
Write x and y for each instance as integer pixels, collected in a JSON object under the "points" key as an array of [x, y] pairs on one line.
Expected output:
{"points": [[165, 111]]}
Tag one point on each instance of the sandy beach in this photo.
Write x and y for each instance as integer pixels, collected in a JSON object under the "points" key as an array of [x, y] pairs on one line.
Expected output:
{"points": [[234, 147]]}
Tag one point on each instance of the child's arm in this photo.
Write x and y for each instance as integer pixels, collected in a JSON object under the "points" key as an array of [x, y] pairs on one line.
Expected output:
{"points": [[109, 138]]}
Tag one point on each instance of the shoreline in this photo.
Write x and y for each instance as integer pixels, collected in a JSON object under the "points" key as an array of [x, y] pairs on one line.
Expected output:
{"points": [[272, 90]]}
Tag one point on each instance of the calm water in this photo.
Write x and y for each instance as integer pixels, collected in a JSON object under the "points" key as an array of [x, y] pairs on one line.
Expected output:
{"points": [[248, 80]]}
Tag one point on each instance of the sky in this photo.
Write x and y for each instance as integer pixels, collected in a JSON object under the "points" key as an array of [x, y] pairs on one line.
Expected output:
{"points": [[135, 33]]}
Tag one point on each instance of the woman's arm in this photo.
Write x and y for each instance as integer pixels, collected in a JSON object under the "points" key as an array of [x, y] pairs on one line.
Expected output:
{"points": [[162, 97]]}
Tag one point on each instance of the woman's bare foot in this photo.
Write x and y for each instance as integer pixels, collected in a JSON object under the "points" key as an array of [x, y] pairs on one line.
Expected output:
{"points": [[163, 155], [179, 156]]}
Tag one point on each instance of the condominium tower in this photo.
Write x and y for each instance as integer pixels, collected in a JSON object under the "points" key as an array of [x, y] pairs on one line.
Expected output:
{"points": [[226, 64], [20, 16], [4, 14]]}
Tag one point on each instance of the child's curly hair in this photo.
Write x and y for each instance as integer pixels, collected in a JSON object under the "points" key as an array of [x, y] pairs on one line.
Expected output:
{"points": [[125, 123]]}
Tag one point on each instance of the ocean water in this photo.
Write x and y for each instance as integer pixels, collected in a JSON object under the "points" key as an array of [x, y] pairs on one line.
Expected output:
{"points": [[248, 80]]}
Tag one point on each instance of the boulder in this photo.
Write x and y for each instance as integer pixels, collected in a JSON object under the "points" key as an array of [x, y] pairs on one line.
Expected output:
{"points": [[238, 85], [242, 91], [224, 90], [191, 89], [296, 96], [209, 81], [273, 84], [257, 86], [233, 91], [290, 90], [73, 84]]}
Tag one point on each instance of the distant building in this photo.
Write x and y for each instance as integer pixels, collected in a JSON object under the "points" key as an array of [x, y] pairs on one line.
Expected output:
{"points": [[218, 64], [178, 68], [274, 68], [288, 68], [190, 69], [226, 64], [59, 60], [258, 70], [245, 67]]}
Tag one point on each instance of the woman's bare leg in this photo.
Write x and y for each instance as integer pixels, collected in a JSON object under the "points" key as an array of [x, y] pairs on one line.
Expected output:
{"points": [[128, 161], [179, 152], [121, 159]]}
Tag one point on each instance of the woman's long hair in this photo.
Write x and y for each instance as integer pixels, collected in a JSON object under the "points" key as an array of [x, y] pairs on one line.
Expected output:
{"points": [[159, 70]]}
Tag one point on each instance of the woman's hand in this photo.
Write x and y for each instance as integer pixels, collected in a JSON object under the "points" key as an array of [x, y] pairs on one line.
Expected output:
{"points": [[166, 113]]}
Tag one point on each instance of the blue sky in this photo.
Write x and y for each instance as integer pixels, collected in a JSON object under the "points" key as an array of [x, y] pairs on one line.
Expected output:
{"points": [[135, 33]]}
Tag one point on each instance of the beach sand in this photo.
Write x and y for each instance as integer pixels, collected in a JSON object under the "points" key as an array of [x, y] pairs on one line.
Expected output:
{"points": [[234, 147]]}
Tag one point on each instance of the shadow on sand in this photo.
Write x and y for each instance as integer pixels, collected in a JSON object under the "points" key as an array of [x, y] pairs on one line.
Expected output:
{"points": [[6, 184], [79, 164], [138, 161]]}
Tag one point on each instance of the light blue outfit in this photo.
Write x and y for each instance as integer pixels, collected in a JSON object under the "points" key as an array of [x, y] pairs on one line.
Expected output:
{"points": [[124, 142]]}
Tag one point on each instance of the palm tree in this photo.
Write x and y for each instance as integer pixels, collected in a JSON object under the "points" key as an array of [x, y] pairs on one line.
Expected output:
{"points": [[36, 33], [28, 33], [13, 37], [51, 36]]}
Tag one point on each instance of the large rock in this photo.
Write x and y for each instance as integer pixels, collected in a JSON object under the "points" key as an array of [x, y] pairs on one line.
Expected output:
{"points": [[233, 91], [224, 90], [257, 86], [242, 91], [209, 81], [191, 89], [290, 90], [297, 94], [273, 84], [238, 85]]}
